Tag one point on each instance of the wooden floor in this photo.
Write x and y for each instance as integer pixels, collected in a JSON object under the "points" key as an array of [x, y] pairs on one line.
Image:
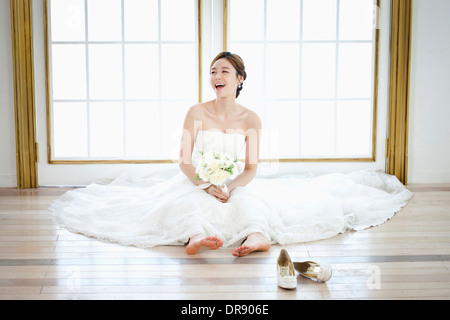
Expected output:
{"points": [[406, 258]]}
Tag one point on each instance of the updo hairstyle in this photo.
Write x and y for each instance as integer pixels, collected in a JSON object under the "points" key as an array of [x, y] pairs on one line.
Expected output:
{"points": [[236, 62]]}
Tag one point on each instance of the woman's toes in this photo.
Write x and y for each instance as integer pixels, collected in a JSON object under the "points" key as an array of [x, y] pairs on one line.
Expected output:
{"points": [[242, 251]]}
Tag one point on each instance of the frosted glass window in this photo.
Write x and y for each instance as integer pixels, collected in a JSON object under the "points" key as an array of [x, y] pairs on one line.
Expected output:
{"points": [[105, 71], [67, 20], [270, 143], [283, 70], [310, 66], [106, 129], [141, 20], [285, 127], [318, 128], [319, 70], [319, 19], [172, 115], [177, 20], [248, 13], [178, 71], [69, 71], [104, 20], [142, 125], [123, 70], [354, 119], [70, 128], [357, 19], [141, 71], [283, 20], [355, 70]]}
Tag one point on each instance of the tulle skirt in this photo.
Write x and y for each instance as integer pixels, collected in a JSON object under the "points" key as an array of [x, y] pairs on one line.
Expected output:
{"points": [[157, 210]]}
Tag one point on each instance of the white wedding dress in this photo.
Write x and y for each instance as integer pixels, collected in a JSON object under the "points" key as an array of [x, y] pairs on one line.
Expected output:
{"points": [[157, 210]]}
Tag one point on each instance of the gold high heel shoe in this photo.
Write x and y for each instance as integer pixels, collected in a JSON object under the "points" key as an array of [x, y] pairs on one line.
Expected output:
{"points": [[312, 270], [285, 271]]}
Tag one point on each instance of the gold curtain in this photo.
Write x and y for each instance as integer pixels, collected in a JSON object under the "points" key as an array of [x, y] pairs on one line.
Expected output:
{"points": [[397, 146], [22, 51]]}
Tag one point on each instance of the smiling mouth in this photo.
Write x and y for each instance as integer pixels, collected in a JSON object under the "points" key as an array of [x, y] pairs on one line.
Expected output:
{"points": [[219, 86]]}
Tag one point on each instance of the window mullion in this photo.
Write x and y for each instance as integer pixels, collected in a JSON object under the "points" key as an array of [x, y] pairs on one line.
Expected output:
{"points": [[124, 110], [265, 63], [160, 79], [336, 77], [88, 109], [300, 93]]}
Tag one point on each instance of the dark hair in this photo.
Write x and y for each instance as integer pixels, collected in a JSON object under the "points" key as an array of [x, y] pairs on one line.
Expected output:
{"points": [[237, 63]]}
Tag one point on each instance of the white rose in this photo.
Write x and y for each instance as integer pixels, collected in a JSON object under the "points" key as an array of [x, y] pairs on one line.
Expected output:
{"points": [[218, 178], [204, 173]]}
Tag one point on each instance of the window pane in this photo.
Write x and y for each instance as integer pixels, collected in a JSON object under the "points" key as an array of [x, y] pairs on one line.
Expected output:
{"points": [[178, 20], [283, 20], [70, 129], [141, 71], [141, 20], [173, 114], [67, 20], [104, 20], [142, 129], [318, 128], [270, 143], [105, 71], [355, 70], [318, 73], [246, 20], [319, 19], [106, 129], [356, 19], [283, 70], [354, 128], [69, 71], [285, 126], [179, 73]]}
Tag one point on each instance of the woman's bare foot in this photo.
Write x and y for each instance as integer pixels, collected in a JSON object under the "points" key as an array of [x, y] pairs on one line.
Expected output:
{"points": [[199, 242], [254, 242]]}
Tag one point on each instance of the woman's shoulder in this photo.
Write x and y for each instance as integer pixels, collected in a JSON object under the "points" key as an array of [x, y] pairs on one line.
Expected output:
{"points": [[197, 110], [252, 119]]}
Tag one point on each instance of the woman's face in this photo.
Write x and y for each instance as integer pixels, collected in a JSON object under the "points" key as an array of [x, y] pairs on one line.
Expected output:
{"points": [[224, 78]]}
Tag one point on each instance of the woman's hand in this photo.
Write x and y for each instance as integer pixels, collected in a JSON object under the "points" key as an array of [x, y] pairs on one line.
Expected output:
{"points": [[217, 193]]}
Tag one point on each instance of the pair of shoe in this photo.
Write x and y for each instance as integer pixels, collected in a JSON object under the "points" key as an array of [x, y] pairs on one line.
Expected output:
{"points": [[309, 269]]}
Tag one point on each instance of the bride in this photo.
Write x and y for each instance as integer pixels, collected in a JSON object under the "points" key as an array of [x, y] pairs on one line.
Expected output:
{"points": [[225, 115], [251, 214]]}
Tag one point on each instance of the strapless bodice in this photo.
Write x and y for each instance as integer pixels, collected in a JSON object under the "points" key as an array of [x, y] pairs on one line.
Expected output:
{"points": [[219, 141]]}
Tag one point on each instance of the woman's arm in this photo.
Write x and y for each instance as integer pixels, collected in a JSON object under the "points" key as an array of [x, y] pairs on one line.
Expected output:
{"points": [[187, 146], [185, 160], [253, 135]]}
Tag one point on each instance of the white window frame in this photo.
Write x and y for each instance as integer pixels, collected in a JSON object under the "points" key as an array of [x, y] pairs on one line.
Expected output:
{"points": [[373, 97], [75, 174], [50, 126]]}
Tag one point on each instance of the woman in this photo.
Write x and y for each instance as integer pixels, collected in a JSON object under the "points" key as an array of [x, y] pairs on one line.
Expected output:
{"points": [[251, 214], [224, 114]]}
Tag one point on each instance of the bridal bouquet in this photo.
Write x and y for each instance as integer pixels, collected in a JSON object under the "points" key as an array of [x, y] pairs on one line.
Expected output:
{"points": [[216, 168]]}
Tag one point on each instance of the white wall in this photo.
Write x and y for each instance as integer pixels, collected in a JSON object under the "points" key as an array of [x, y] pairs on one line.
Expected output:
{"points": [[429, 120], [8, 174]]}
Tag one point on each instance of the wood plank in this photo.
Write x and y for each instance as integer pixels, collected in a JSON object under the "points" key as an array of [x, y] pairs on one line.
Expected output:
{"points": [[39, 260]]}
